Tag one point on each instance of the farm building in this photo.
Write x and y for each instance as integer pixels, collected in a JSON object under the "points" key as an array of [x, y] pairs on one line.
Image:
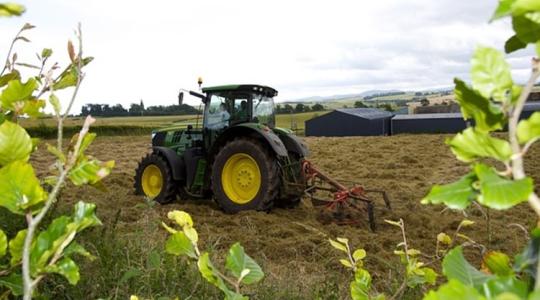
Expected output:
{"points": [[350, 122], [428, 123], [529, 109]]}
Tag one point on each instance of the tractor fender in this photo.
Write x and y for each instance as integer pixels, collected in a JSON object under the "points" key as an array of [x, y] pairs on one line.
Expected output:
{"points": [[294, 144], [175, 161], [255, 131]]}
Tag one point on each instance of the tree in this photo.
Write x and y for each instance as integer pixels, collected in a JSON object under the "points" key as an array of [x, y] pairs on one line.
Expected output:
{"points": [[359, 104], [288, 108], [299, 108], [317, 107]]}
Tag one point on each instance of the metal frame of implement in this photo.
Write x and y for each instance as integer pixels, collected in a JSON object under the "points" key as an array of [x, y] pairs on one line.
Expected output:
{"points": [[344, 198]]}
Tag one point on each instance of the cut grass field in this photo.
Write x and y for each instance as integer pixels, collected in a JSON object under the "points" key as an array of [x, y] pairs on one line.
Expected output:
{"points": [[291, 245]]}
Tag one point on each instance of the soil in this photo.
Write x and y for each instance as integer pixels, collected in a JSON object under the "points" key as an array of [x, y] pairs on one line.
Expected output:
{"points": [[291, 244]]}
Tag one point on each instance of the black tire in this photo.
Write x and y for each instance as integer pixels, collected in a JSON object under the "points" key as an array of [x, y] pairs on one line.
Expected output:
{"points": [[269, 187], [167, 194]]}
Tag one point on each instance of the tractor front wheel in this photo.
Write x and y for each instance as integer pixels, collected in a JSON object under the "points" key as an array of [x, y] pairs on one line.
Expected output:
{"points": [[153, 179], [245, 177]]}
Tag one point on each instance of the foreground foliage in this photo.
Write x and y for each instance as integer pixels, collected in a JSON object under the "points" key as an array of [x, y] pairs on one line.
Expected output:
{"points": [[39, 250], [242, 268]]}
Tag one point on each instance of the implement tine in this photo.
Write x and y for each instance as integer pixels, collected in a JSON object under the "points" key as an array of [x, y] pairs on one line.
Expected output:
{"points": [[385, 197]]}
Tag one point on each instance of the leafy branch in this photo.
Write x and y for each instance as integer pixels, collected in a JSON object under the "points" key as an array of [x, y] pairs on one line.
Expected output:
{"points": [[184, 242]]}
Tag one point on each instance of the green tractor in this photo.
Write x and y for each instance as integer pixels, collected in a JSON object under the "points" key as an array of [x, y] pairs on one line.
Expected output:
{"points": [[237, 154]]}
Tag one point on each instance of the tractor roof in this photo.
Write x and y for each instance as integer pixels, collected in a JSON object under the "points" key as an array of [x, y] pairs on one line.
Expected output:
{"points": [[242, 88]]}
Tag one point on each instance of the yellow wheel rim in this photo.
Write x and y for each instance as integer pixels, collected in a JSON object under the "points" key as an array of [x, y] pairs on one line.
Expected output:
{"points": [[241, 178], [152, 181]]}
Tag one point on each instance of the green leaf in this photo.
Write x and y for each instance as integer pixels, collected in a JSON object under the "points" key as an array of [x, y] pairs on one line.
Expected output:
{"points": [[394, 223], [503, 9], [86, 142], [3, 243], [17, 91], [15, 143], [67, 79], [84, 216], [527, 27], [154, 260], [13, 282], [33, 107], [455, 266], [344, 241], [529, 129], [181, 218], [453, 290], [506, 285], [338, 245], [514, 44], [497, 263], [457, 195], [346, 263], [444, 238], [179, 244], [524, 6], [361, 285], [48, 242], [131, 273], [191, 234], [472, 144], [46, 52], [208, 272], [466, 223], [55, 102], [498, 192], [487, 116], [430, 276], [238, 260], [54, 151], [76, 248], [90, 171], [11, 9], [4, 79], [60, 233], [19, 187], [359, 254], [16, 247], [491, 74], [67, 268]]}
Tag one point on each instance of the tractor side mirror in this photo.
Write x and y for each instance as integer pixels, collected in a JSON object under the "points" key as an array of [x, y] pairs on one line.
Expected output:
{"points": [[180, 98]]}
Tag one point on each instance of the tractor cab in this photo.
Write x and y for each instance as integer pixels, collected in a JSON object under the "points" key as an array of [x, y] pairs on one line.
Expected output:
{"points": [[228, 105]]}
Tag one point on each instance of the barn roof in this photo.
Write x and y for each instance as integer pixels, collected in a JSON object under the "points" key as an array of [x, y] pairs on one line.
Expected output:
{"points": [[531, 106], [429, 116], [367, 113]]}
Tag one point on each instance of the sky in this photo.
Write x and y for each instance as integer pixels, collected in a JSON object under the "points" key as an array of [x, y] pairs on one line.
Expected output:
{"points": [[149, 50]]}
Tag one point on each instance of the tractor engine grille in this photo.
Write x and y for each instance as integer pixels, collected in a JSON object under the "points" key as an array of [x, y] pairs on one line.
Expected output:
{"points": [[176, 137]]}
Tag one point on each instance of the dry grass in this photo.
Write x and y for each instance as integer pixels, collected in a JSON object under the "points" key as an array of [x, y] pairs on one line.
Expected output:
{"points": [[290, 244]]}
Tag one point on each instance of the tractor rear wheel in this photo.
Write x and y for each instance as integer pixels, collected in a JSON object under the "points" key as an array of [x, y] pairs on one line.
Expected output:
{"points": [[153, 179], [245, 176]]}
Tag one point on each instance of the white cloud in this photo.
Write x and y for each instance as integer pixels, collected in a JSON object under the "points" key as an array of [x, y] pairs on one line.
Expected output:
{"points": [[149, 49]]}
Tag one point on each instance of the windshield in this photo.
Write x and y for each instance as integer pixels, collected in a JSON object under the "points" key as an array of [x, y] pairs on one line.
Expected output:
{"points": [[263, 110]]}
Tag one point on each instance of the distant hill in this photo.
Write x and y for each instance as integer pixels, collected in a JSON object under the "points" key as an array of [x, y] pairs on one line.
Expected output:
{"points": [[369, 93]]}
